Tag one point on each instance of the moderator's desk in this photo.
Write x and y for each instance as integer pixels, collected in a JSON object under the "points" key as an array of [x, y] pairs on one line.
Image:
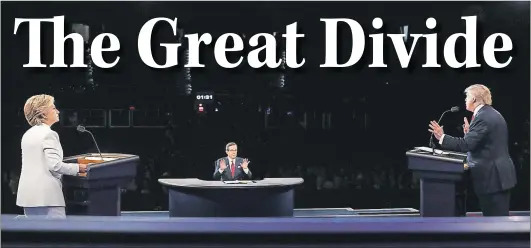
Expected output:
{"points": [[271, 197]]}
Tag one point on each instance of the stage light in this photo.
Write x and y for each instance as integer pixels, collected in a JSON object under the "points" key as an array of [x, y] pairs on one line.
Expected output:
{"points": [[405, 31], [84, 31]]}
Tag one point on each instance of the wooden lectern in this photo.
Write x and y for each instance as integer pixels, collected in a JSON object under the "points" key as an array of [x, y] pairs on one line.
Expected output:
{"points": [[97, 192], [441, 177], [89, 161]]}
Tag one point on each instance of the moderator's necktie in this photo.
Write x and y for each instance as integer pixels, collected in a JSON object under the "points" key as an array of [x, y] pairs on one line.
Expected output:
{"points": [[232, 168]]}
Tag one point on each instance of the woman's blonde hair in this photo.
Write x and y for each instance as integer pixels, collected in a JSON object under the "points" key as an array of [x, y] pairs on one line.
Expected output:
{"points": [[480, 92], [35, 108]]}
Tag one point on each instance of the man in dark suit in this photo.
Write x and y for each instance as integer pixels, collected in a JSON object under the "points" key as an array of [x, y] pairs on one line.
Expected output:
{"points": [[486, 144], [232, 167]]}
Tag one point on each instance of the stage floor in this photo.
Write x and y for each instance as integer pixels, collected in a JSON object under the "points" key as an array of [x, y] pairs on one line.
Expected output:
{"points": [[333, 227]]}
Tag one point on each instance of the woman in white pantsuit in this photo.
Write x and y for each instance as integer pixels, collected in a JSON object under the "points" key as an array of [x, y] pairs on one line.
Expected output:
{"points": [[40, 188]]}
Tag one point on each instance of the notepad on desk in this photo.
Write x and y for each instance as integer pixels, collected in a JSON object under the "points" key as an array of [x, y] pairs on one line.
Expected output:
{"points": [[238, 182], [427, 149], [100, 158]]}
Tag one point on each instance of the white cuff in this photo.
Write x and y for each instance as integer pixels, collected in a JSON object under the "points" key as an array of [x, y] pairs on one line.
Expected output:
{"points": [[441, 140], [246, 171]]}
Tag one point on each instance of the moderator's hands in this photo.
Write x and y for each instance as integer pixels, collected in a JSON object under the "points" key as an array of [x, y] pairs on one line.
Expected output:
{"points": [[245, 164], [466, 126], [436, 130], [222, 165]]}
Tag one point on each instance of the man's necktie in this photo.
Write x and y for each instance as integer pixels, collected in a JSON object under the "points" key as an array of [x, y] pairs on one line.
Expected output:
{"points": [[232, 168], [473, 115]]}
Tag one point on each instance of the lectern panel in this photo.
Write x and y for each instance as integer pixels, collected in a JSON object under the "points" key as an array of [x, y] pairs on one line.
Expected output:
{"points": [[97, 192], [440, 176]]}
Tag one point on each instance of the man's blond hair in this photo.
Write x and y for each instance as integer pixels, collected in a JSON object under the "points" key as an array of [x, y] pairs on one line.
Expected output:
{"points": [[35, 108], [480, 92]]}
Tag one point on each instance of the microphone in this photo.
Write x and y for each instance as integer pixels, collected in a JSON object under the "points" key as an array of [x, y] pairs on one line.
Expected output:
{"points": [[453, 109], [82, 129]]}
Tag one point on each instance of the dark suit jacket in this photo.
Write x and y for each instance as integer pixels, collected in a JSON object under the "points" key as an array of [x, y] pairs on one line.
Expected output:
{"points": [[486, 144], [239, 174]]}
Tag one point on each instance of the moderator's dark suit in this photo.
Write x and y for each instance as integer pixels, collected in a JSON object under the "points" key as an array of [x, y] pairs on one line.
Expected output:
{"points": [[492, 170], [239, 174]]}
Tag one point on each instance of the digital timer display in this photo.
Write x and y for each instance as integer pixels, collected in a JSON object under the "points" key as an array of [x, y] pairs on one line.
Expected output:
{"points": [[204, 97]]}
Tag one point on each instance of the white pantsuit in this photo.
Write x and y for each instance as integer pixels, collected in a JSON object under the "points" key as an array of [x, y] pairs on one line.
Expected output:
{"points": [[40, 189]]}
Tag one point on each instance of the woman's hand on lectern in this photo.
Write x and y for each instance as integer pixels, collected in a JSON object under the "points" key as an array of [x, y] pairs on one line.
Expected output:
{"points": [[83, 168]]}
